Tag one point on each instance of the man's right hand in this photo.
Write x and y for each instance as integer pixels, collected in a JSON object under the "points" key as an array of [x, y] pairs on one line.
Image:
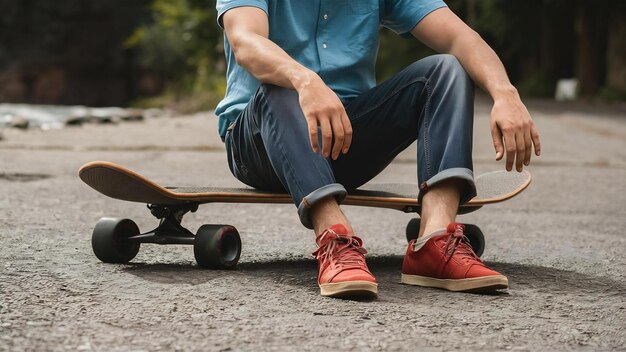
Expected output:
{"points": [[322, 107], [247, 29]]}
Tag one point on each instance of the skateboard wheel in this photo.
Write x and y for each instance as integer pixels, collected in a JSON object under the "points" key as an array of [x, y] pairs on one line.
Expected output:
{"points": [[413, 229], [476, 238], [472, 232], [217, 246], [109, 240]]}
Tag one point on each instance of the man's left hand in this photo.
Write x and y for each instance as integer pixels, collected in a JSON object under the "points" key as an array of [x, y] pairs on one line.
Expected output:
{"points": [[513, 132]]}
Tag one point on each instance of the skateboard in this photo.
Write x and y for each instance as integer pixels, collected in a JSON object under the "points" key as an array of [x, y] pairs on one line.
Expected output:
{"points": [[215, 246]]}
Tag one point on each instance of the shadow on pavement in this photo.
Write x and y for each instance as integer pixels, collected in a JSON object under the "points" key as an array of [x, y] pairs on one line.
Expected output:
{"points": [[175, 273], [302, 273]]}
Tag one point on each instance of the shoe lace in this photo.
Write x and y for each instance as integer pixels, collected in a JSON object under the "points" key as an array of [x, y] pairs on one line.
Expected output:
{"points": [[341, 250], [457, 243]]}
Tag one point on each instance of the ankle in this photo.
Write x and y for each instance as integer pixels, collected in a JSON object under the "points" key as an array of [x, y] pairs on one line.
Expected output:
{"points": [[429, 227], [434, 230], [440, 205], [339, 228], [327, 213]]}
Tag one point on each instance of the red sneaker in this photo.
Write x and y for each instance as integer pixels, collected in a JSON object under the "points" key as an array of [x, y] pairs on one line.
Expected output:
{"points": [[341, 262], [446, 260]]}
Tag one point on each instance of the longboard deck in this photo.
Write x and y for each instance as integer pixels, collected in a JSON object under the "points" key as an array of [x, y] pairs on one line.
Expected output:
{"points": [[121, 183]]}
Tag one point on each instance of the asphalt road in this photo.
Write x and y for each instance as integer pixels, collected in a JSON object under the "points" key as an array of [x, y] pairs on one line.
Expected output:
{"points": [[561, 243]]}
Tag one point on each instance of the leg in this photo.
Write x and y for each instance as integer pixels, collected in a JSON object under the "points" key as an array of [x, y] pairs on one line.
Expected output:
{"points": [[431, 101], [326, 213], [442, 257], [446, 146], [268, 148], [440, 206]]}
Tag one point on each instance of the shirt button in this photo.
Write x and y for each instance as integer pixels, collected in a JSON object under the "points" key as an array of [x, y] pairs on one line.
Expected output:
{"points": [[325, 16], [324, 45]]}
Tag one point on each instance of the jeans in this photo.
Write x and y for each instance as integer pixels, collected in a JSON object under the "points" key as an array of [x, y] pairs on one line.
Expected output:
{"points": [[430, 101]]}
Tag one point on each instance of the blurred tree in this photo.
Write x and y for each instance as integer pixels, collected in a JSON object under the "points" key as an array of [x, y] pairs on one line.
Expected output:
{"points": [[539, 42], [534, 39], [591, 31], [183, 45], [67, 52], [615, 88], [109, 52]]}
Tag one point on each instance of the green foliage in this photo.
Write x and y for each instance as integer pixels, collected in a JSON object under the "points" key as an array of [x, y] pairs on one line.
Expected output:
{"points": [[537, 84], [183, 45], [183, 104], [612, 94]]}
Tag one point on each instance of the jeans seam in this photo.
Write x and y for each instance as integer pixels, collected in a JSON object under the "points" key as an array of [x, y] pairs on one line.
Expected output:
{"points": [[423, 80], [281, 148], [425, 129]]}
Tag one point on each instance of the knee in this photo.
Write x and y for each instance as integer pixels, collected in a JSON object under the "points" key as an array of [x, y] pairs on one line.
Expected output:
{"points": [[447, 61], [448, 65], [444, 65]]}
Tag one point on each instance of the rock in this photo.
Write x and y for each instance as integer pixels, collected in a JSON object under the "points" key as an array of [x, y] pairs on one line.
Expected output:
{"points": [[106, 115], [132, 115], [14, 121], [76, 115], [75, 120], [153, 112], [53, 117]]}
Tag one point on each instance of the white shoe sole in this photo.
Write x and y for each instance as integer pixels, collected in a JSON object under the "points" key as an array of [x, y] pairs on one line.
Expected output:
{"points": [[349, 289], [477, 284]]}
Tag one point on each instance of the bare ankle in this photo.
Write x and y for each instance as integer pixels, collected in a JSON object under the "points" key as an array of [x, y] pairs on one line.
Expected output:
{"points": [[440, 206], [326, 213]]}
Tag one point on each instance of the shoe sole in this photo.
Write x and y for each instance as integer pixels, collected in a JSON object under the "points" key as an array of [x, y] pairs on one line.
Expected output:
{"points": [[361, 289], [476, 284]]}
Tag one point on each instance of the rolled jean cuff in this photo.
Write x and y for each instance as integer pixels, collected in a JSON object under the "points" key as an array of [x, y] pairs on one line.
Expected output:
{"points": [[469, 191], [304, 209]]}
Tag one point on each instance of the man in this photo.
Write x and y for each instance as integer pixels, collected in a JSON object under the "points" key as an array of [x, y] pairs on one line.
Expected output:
{"points": [[302, 113]]}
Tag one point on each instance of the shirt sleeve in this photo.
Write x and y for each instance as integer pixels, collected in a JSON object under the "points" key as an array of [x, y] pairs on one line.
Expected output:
{"points": [[224, 5], [401, 16]]}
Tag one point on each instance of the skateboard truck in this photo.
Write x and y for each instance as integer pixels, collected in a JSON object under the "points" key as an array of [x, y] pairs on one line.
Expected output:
{"points": [[215, 246], [170, 230]]}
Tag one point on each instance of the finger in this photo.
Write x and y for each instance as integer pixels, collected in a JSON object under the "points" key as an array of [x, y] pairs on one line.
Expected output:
{"points": [[520, 147], [338, 135], [327, 137], [535, 136], [347, 132], [312, 123], [510, 147], [528, 147], [496, 136]]}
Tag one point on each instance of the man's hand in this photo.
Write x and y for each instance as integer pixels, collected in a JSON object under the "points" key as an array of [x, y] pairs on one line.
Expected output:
{"points": [[512, 128], [247, 29], [513, 132], [322, 107]]}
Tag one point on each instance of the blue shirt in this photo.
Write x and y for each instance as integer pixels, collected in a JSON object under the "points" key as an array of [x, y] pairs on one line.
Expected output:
{"points": [[337, 39]]}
